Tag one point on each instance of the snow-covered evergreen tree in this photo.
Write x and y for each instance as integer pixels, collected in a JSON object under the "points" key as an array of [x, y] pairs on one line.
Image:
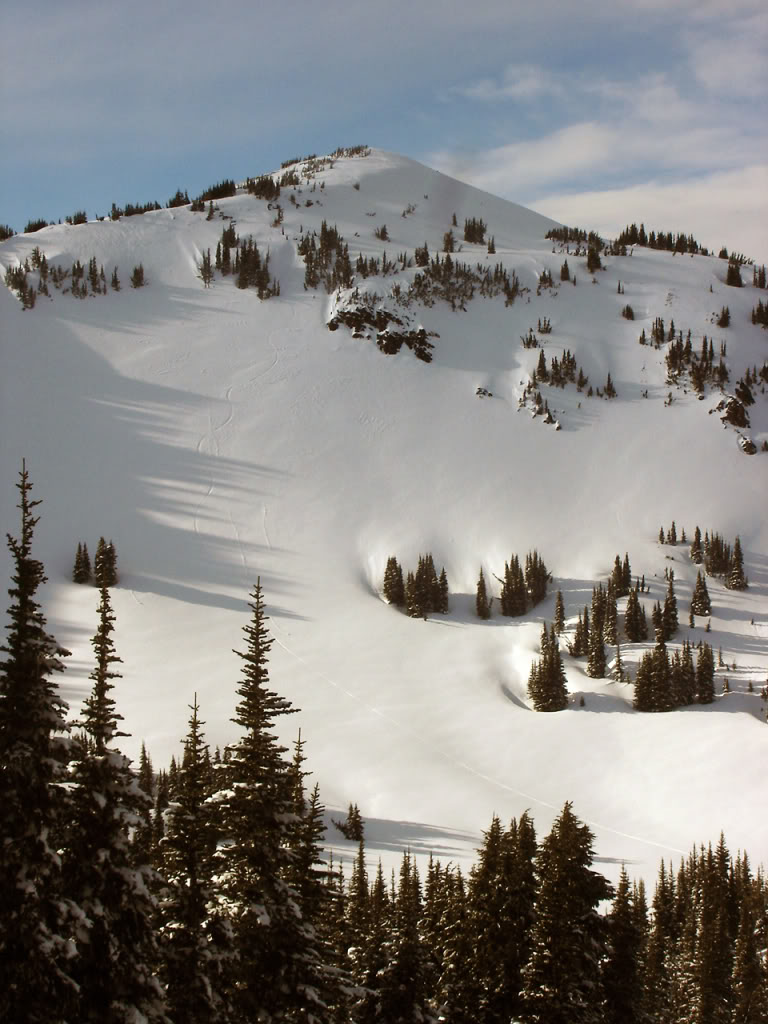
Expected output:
{"points": [[38, 919]]}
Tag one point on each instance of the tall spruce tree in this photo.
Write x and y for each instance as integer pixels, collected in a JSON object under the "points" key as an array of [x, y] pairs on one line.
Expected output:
{"points": [[561, 981], [274, 944], [117, 959], [196, 934], [736, 578], [37, 914], [482, 604]]}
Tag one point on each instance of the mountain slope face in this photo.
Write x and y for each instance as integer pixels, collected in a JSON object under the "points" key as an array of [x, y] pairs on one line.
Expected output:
{"points": [[216, 438]]}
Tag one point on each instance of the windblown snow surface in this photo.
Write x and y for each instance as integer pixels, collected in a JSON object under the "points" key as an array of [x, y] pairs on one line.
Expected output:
{"points": [[217, 438]]}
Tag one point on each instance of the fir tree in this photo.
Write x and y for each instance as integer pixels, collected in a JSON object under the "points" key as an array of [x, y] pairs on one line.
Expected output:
{"points": [[195, 930], [736, 578], [115, 967], [700, 602], [482, 604], [559, 621], [561, 981], [273, 943], [669, 614], [81, 573], [621, 978], [38, 917], [547, 685], [705, 675], [394, 589]]}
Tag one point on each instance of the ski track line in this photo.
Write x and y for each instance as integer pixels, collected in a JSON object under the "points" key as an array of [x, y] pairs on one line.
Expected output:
{"points": [[463, 764]]}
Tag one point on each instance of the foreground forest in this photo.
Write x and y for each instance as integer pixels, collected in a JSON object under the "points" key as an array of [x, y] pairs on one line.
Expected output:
{"points": [[203, 894]]}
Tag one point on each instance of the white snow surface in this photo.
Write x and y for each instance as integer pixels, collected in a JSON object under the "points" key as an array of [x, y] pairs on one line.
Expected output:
{"points": [[216, 438]]}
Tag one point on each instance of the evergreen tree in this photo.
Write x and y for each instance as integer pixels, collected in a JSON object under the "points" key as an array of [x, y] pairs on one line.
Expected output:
{"points": [[403, 981], [273, 943], [621, 977], [442, 590], [547, 685], [559, 621], [561, 981], [195, 930], [669, 615], [81, 572], [38, 917], [394, 589], [697, 555], [596, 662], [700, 602], [705, 675], [117, 957], [736, 578], [750, 980], [482, 604]]}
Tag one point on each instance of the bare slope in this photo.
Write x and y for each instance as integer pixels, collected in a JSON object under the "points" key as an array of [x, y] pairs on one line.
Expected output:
{"points": [[216, 438]]}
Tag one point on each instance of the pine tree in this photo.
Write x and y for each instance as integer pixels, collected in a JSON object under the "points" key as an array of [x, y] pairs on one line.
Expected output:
{"points": [[736, 578], [669, 615], [547, 685], [403, 981], [394, 589], [750, 979], [700, 602], [621, 978], [38, 916], [559, 621], [442, 590], [561, 981], [197, 942], [116, 963], [705, 675], [81, 572], [596, 662], [273, 943], [482, 605]]}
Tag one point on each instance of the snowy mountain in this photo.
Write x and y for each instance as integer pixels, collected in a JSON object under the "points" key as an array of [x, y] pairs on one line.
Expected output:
{"points": [[217, 437]]}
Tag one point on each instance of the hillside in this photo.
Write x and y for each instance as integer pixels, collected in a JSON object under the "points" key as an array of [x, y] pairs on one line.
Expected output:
{"points": [[217, 438]]}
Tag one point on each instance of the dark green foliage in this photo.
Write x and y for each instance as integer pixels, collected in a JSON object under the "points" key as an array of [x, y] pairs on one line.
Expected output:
{"points": [[632, 235], [514, 594], [482, 604], [669, 614], [449, 242], [222, 190], [705, 675], [35, 225], [179, 199], [621, 975], [733, 276], [205, 269], [628, 313], [424, 591], [137, 277], [6, 232], [81, 572], [593, 260], [36, 910], [565, 273], [394, 588], [353, 828], [736, 578], [80, 217], [197, 955], [547, 685], [760, 313], [559, 621], [596, 665], [264, 187], [381, 233], [724, 320], [105, 564], [561, 981], [474, 231], [117, 957], [700, 602]]}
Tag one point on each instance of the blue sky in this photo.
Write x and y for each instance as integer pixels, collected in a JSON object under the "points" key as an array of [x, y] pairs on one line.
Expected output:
{"points": [[594, 113]]}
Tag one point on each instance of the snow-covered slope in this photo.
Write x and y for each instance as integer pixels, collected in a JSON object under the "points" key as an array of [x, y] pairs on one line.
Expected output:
{"points": [[217, 438]]}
